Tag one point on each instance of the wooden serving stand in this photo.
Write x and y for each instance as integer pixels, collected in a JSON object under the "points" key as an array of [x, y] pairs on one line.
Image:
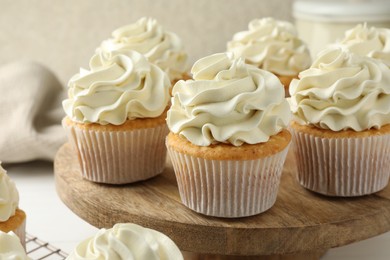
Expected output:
{"points": [[301, 224]]}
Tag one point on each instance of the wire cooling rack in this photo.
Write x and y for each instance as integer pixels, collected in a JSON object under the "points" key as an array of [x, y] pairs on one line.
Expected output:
{"points": [[38, 249]]}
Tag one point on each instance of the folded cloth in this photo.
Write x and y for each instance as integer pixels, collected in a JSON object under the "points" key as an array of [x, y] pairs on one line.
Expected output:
{"points": [[30, 112]]}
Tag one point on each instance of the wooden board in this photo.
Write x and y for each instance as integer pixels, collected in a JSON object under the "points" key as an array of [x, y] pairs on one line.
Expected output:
{"points": [[300, 221]]}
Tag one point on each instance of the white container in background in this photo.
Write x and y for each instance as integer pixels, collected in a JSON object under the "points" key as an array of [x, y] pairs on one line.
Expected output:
{"points": [[320, 23]]}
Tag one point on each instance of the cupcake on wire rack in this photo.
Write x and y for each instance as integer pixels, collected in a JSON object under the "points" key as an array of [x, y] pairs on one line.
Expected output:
{"points": [[11, 248], [228, 139], [127, 241], [115, 118], [272, 45], [341, 130], [12, 219], [162, 48]]}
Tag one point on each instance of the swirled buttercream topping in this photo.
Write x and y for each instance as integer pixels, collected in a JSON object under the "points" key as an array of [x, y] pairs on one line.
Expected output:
{"points": [[228, 102], [117, 87], [273, 46], [146, 36], [369, 41], [11, 248], [9, 196], [342, 90], [127, 241]]}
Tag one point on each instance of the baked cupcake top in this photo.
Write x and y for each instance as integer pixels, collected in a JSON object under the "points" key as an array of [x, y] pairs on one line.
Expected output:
{"points": [[370, 41], [146, 36], [117, 87], [9, 196], [127, 241], [11, 248], [271, 45], [228, 101], [341, 91]]}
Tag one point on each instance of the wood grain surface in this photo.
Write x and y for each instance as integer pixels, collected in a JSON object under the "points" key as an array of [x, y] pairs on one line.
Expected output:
{"points": [[300, 221]]}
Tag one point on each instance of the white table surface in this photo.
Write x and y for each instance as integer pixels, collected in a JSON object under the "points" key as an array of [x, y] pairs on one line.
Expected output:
{"points": [[51, 221]]}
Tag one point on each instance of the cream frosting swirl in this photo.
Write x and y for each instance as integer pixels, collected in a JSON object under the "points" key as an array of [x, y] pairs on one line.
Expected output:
{"points": [[271, 45], [119, 86], [342, 90], [11, 248], [9, 196], [127, 241], [228, 102], [369, 41], [146, 36]]}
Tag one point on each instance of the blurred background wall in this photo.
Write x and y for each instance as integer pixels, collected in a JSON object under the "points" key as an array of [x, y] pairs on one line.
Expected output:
{"points": [[64, 34]]}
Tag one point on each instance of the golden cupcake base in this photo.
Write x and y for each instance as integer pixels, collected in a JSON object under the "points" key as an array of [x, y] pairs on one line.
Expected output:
{"points": [[16, 224]]}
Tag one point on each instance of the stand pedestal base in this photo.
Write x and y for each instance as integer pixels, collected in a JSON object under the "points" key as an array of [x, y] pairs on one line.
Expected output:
{"points": [[300, 221]]}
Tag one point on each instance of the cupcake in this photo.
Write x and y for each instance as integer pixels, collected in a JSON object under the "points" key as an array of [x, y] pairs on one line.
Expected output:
{"points": [[115, 119], [274, 46], [228, 139], [11, 248], [368, 41], [161, 47], [341, 133], [11, 217], [127, 241]]}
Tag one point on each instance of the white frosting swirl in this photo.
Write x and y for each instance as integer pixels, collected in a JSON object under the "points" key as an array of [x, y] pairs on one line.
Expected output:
{"points": [[146, 36], [342, 90], [370, 41], [229, 102], [127, 241], [118, 86], [11, 248], [271, 45], [9, 196]]}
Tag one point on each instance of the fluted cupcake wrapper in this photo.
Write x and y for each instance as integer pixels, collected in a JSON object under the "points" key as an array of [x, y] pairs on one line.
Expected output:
{"points": [[342, 166], [228, 188], [119, 157], [20, 231]]}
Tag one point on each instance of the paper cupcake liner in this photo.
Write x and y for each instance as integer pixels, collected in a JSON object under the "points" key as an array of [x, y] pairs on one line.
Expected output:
{"points": [[227, 188], [342, 166], [119, 157], [20, 231]]}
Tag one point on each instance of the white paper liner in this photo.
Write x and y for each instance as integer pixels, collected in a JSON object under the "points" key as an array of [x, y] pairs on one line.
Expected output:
{"points": [[119, 157], [21, 233], [228, 188], [342, 166]]}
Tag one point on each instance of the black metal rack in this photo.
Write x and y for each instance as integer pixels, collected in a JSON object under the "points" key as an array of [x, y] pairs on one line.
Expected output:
{"points": [[37, 249]]}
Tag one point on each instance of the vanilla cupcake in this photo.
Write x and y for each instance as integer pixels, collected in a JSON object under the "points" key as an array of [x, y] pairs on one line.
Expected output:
{"points": [[127, 241], [368, 41], [228, 139], [341, 134], [11, 248], [115, 119], [161, 47], [11, 217], [274, 46]]}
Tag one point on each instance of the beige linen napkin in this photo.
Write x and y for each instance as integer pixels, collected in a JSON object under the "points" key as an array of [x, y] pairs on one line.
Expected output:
{"points": [[30, 112]]}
